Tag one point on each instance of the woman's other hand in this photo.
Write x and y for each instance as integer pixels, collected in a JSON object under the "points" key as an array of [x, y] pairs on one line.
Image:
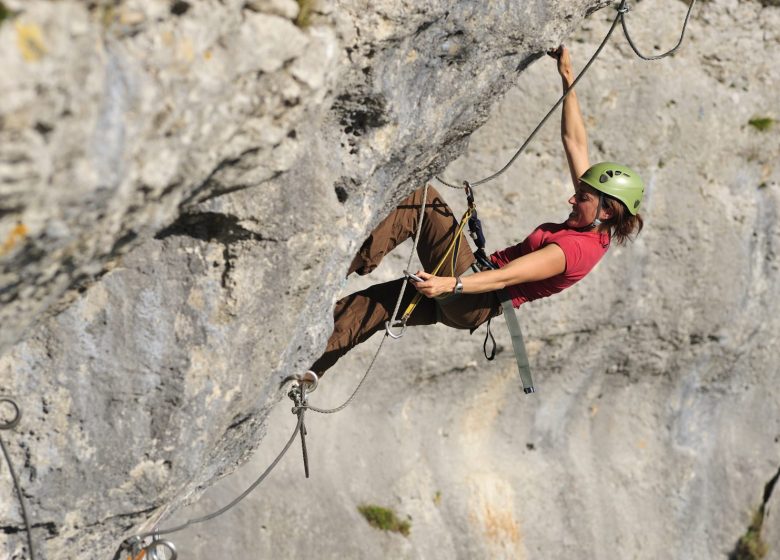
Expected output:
{"points": [[433, 286], [561, 54]]}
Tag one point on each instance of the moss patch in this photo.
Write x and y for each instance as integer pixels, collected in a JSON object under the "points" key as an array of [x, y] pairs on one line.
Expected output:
{"points": [[762, 124], [4, 13], [305, 8], [384, 519], [750, 545]]}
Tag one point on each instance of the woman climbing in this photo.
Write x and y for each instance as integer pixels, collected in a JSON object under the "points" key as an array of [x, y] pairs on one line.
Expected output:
{"points": [[553, 257]]}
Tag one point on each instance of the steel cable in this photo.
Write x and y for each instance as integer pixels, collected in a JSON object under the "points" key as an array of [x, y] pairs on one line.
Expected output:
{"points": [[667, 53], [622, 9], [236, 500]]}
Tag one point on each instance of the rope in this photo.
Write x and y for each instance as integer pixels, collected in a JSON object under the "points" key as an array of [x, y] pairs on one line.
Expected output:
{"points": [[455, 240], [11, 424], [667, 53], [622, 9], [392, 321]]}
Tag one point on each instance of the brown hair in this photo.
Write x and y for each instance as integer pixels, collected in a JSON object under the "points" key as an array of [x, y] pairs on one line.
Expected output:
{"points": [[623, 226]]}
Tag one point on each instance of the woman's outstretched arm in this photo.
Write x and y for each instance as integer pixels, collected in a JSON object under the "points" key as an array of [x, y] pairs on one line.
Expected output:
{"points": [[538, 265], [573, 134]]}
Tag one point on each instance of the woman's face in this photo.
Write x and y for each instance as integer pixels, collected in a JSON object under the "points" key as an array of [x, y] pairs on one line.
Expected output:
{"points": [[584, 203]]}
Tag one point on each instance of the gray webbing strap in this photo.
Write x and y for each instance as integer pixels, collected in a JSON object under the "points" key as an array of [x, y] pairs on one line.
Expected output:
{"points": [[517, 342], [515, 332]]}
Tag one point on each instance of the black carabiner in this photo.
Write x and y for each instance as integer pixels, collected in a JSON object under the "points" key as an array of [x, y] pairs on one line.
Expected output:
{"points": [[469, 194]]}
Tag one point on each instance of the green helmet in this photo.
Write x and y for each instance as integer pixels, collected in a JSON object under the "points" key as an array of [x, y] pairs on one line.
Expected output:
{"points": [[617, 181]]}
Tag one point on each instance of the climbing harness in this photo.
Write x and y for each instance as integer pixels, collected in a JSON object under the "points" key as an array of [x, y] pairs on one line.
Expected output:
{"points": [[301, 388], [10, 425], [622, 10]]}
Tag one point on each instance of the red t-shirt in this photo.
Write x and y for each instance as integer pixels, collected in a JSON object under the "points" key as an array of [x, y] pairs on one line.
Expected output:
{"points": [[582, 249]]}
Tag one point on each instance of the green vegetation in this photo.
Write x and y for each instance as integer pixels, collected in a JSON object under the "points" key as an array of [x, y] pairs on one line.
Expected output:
{"points": [[107, 15], [305, 8], [762, 124], [750, 545], [384, 519], [5, 13]]}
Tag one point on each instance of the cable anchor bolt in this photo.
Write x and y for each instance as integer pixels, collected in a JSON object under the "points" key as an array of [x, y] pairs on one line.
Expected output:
{"points": [[309, 379]]}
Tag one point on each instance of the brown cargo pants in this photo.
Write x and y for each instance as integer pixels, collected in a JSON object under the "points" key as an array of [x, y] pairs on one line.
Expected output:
{"points": [[359, 315]]}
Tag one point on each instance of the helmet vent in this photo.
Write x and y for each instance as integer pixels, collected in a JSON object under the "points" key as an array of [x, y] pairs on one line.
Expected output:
{"points": [[603, 178]]}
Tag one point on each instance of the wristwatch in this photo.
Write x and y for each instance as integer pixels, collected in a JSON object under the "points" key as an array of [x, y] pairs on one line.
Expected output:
{"points": [[458, 289]]}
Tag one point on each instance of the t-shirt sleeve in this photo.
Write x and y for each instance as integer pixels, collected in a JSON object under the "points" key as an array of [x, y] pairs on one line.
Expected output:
{"points": [[572, 250]]}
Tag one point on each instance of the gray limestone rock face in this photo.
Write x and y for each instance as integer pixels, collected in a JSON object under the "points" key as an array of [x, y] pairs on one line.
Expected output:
{"points": [[182, 186], [655, 429]]}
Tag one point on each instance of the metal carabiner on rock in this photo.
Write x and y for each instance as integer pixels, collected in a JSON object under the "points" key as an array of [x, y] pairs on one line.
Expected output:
{"points": [[152, 554], [11, 424]]}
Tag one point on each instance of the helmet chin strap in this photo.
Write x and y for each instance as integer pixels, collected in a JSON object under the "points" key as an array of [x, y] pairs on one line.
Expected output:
{"points": [[596, 222]]}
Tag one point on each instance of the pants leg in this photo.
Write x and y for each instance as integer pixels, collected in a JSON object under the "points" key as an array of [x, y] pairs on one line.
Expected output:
{"points": [[439, 225], [359, 315]]}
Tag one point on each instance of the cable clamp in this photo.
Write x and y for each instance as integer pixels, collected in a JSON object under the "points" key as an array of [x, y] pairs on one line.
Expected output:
{"points": [[623, 8], [298, 395]]}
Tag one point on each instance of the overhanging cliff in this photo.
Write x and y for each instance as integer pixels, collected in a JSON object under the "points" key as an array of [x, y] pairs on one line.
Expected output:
{"points": [[183, 185]]}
